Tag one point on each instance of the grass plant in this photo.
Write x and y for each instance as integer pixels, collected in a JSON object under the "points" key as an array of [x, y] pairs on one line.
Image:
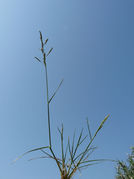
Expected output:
{"points": [[125, 170], [73, 158]]}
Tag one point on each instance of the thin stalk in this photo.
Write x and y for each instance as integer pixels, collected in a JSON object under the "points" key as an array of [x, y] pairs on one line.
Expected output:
{"points": [[44, 60], [48, 111], [58, 164]]}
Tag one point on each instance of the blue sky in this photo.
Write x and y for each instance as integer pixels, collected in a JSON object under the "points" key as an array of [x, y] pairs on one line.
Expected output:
{"points": [[94, 52]]}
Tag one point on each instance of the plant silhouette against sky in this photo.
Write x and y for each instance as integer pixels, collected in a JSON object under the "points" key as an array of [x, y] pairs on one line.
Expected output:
{"points": [[73, 158]]}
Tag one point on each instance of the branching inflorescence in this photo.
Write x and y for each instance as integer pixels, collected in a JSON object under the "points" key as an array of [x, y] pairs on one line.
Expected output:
{"points": [[72, 158]]}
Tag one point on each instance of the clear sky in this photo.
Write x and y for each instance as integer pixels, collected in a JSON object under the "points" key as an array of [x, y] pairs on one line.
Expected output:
{"points": [[93, 44]]}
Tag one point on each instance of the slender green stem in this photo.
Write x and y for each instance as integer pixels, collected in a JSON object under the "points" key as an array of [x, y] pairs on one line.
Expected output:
{"points": [[56, 160], [49, 127], [48, 112]]}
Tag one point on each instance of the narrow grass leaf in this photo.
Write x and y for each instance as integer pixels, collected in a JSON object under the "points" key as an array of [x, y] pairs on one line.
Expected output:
{"points": [[84, 166], [89, 131], [46, 153], [66, 151], [78, 143], [62, 147], [46, 41], [35, 158], [50, 51], [33, 150], [56, 91], [73, 143], [37, 59], [90, 152], [71, 157], [83, 140], [97, 160], [79, 155], [43, 157]]}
